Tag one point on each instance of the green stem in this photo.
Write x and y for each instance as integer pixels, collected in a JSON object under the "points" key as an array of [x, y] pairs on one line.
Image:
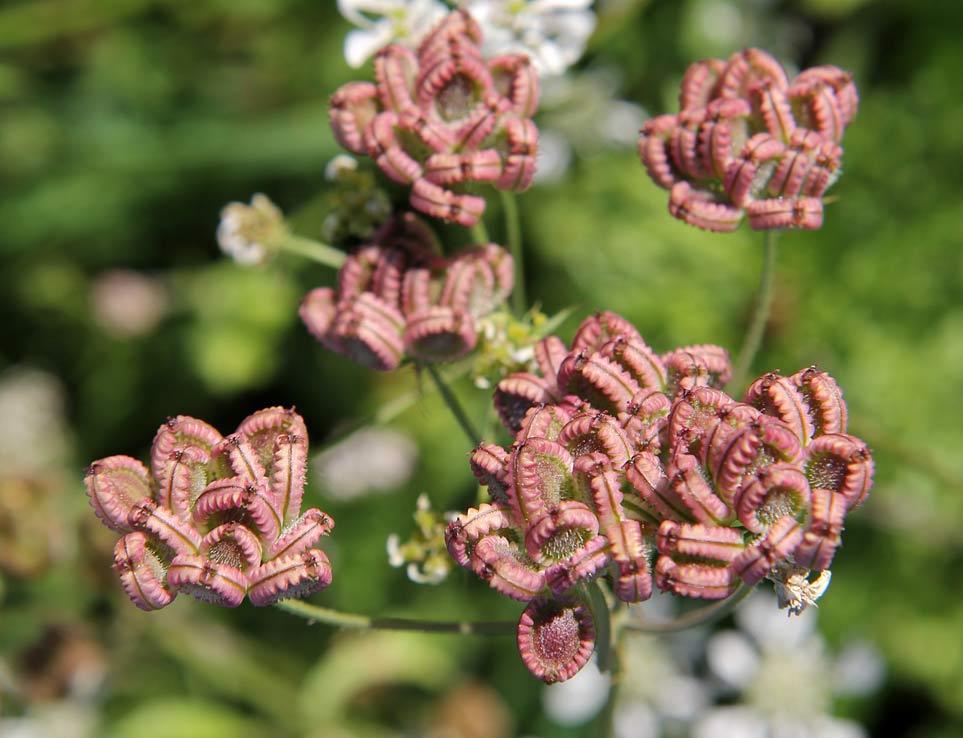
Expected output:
{"points": [[604, 722], [696, 617], [513, 232], [760, 315], [452, 402], [479, 232], [603, 623], [314, 250], [354, 621], [603, 726]]}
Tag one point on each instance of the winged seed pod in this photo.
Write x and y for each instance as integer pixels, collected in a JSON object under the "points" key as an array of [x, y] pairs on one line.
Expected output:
{"points": [[639, 468], [747, 141], [443, 118], [215, 517], [397, 297]]}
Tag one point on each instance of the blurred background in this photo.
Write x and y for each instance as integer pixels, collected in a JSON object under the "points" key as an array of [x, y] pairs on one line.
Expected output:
{"points": [[126, 125]]}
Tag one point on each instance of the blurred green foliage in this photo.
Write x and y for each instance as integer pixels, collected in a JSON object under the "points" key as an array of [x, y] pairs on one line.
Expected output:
{"points": [[125, 125]]}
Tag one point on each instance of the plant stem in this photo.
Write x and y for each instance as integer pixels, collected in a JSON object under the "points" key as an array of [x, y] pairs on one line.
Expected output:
{"points": [[479, 232], [513, 232], [354, 621], [604, 721], [696, 617], [452, 402], [760, 315], [314, 250], [603, 623]]}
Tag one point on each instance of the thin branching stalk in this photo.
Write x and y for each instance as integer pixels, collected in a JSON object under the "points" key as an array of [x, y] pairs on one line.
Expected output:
{"points": [[760, 314], [452, 402], [354, 621], [479, 233], [319, 252], [513, 233], [693, 618]]}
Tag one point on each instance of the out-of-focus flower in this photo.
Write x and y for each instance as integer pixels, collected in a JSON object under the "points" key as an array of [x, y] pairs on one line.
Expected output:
{"points": [[398, 297], [443, 119], [424, 553], [56, 677], [251, 234], [578, 700], [370, 460], [782, 675], [33, 435], [64, 718], [34, 532], [471, 710], [659, 694], [747, 140], [552, 32], [216, 517], [384, 22], [620, 453], [64, 662], [128, 304], [581, 113]]}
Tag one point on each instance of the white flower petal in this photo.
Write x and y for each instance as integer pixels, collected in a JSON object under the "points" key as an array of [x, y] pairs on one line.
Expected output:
{"points": [[859, 669], [579, 699], [355, 10], [682, 697], [761, 617], [553, 158], [369, 460], [636, 720], [831, 727], [731, 722], [363, 43], [732, 658], [552, 32], [393, 547], [552, 6]]}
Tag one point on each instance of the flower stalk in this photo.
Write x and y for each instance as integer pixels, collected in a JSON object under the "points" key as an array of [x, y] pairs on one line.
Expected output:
{"points": [[316, 251], [354, 621], [454, 405], [760, 313], [513, 234], [479, 232], [702, 616]]}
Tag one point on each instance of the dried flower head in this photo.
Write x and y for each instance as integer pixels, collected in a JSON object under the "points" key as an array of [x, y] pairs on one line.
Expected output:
{"points": [[638, 467], [749, 141], [398, 297], [444, 118], [216, 517]]}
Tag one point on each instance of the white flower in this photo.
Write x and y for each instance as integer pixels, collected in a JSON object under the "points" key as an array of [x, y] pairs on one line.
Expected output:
{"points": [[782, 673], [33, 437], [658, 693], [339, 166], [579, 699], [126, 303], [369, 460], [384, 22], [552, 32], [582, 113], [249, 233]]}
